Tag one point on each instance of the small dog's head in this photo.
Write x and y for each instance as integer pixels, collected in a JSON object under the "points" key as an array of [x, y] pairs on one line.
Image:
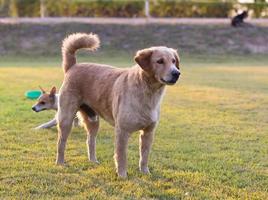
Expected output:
{"points": [[244, 14], [160, 62], [46, 101]]}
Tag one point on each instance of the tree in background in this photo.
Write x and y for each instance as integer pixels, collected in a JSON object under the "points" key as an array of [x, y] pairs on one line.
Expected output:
{"points": [[42, 8], [147, 8], [13, 8]]}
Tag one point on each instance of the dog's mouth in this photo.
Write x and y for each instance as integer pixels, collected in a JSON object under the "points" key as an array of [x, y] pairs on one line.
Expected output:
{"points": [[169, 82], [35, 110]]}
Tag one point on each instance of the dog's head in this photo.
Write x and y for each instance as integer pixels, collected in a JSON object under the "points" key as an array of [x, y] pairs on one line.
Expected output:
{"points": [[46, 101], [160, 62], [244, 14]]}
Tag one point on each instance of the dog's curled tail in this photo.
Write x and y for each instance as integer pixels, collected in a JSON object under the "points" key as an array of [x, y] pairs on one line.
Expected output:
{"points": [[74, 42]]}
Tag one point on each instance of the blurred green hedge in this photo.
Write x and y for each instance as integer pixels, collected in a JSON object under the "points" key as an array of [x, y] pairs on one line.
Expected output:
{"points": [[124, 8], [190, 9]]}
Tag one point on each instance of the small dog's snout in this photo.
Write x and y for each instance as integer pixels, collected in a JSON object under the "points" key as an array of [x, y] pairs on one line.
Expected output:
{"points": [[34, 109]]}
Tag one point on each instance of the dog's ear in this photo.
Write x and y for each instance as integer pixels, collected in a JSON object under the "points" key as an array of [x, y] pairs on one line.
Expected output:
{"points": [[43, 91], [143, 58], [177, 58], [52, 91]]}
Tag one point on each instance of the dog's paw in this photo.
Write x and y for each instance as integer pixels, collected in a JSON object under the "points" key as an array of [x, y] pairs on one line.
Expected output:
{"points": [[60, 162], [122, 175], [40, 127], [94, 161], [37, 128], [145, 170]]}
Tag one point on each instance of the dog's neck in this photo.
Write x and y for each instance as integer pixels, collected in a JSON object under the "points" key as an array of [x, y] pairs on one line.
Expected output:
{"points": [[56, 100], [153, 84], [153, 90]]}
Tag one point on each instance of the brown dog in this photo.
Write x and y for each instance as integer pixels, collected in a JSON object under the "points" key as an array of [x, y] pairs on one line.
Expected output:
{"points": [[129, 99]]}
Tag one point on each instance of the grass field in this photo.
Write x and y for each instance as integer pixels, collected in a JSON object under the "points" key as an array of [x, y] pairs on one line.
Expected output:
{"points": [[211, 143]]}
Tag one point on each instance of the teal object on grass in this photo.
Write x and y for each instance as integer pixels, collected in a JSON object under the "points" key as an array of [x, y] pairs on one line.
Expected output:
{"points": [[33, 94]]}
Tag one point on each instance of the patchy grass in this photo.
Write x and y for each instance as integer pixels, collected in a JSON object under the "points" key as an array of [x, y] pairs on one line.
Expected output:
{"points": [[211, 142]]}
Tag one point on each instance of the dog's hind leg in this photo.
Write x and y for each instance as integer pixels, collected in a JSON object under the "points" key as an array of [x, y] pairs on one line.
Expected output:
{"points": [[67, 110], [92, 126]]}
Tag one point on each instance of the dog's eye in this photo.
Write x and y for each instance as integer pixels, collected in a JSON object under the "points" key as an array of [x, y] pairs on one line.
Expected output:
{"points": [[161, 61], [42, 103], [173, 60]]}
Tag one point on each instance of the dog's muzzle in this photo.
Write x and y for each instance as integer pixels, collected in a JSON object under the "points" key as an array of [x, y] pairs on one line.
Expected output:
{"points": [[37, 110], [175, 74], [34, 109]]}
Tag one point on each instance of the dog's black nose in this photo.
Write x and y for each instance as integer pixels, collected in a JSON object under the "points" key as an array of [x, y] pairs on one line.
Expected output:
{"points": [[33, 108], [175, 74]]}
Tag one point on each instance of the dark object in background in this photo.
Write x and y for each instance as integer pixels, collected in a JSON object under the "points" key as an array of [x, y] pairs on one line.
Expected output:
{"points": [[239, 19]]}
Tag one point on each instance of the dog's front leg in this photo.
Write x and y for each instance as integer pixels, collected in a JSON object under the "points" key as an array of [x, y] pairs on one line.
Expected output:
{"points": [[146, 140], [76, 121], [120, 153], [46, 125]]}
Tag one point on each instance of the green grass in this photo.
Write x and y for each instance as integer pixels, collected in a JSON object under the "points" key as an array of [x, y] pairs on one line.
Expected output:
{"points": [[211, 143]]}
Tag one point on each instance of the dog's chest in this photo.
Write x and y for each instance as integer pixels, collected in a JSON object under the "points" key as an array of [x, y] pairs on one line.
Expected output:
{"points": [[154, 116], [148, 116], [140, 117], [139, 121], [139, 110]]}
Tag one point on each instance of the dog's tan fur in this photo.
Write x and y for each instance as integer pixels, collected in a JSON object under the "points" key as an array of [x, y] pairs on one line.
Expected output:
{"points": [[129, 99]]}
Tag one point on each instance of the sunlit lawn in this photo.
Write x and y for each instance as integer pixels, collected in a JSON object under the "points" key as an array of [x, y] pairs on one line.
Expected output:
{"points": [[211, 143]]}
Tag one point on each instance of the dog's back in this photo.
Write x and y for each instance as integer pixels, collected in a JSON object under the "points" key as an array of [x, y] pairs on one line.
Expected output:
{"points": [[79, 77]]}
